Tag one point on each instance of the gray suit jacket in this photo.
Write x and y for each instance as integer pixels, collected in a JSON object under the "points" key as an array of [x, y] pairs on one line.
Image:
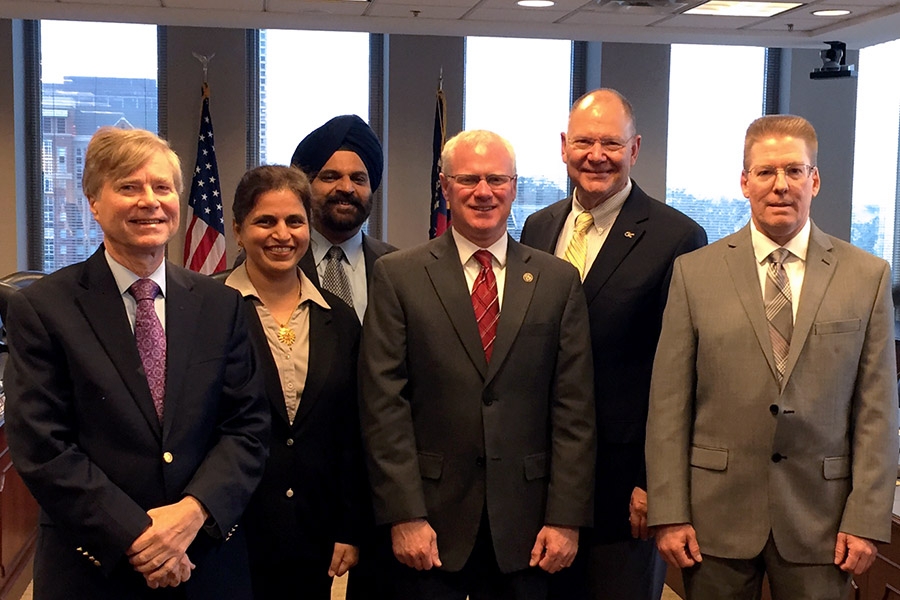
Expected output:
{"points": [[737, 455], [447, 433]]}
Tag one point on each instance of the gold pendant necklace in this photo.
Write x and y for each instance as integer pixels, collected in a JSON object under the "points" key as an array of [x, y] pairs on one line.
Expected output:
{"points": [[286, 335]]}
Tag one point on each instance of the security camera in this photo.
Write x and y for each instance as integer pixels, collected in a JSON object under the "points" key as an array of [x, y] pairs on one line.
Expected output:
{"points": [[834, 63]]}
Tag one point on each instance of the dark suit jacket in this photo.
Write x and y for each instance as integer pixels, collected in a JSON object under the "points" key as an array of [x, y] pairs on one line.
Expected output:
{"points": [[626, 291], [448, 434], [319, 456], [372, 250], [85, 438]]}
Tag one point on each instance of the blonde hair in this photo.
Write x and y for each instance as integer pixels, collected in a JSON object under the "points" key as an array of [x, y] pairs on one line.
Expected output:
{"points": [[115, 153], [781, 126]]}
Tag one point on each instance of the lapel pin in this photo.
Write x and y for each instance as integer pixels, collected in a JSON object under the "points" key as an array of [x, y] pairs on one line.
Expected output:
{"points": [[629, 234], [527, 277]]}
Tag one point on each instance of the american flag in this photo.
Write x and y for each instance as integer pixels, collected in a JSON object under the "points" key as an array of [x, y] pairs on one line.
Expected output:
{"points": [[204, 241], [440, 212]]}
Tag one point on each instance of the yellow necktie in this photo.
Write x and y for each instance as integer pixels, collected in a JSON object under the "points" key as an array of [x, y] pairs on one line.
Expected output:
{"points": [[576, 251]]}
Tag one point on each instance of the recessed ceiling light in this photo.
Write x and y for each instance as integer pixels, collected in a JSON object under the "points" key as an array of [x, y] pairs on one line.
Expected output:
{"points": [[834, 12], [736, 8], [536, 3]]}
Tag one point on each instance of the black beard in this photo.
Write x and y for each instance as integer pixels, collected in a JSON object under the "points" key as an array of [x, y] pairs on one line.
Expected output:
{"points": [[332, 220]]}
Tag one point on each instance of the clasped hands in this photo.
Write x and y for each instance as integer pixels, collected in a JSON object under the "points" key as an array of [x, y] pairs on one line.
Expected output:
{"points": [[415, 545], [160, 552]]}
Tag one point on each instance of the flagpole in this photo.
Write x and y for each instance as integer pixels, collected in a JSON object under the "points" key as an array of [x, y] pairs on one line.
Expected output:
{"points": [[204, 243]]}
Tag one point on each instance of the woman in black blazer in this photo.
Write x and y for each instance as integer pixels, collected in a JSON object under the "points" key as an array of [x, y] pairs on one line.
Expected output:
{"points": [[303, 521]]}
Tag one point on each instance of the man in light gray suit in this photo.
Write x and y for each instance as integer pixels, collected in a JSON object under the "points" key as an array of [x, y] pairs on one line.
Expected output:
{"points": [[480, 439], [772, 434]]}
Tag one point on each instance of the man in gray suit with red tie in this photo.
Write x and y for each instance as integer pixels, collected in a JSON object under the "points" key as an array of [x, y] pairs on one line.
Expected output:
{"points": [[627, 248], [476, 397], [772, 435]]}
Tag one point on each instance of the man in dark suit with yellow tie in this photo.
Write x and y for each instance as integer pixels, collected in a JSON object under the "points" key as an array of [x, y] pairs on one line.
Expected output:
{"points": [[476, 396], [624, 243], [138, 421]]}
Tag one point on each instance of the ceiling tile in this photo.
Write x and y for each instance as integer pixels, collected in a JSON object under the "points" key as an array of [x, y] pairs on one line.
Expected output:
{"points": [[425, 12], [517, 15], [326, 8]]}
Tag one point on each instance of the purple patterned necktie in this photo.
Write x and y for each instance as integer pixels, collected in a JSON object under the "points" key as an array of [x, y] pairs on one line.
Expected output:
{"points": [[151, 340]]}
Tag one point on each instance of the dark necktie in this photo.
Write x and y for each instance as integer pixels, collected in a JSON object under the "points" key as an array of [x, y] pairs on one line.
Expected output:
{"points": [[778, 308], [486, 303], [334, 279], [151, 340]]}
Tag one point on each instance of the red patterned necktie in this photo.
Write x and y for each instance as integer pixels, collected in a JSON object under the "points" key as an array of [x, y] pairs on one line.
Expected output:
{"points": [[151, 340], [486, 303]]}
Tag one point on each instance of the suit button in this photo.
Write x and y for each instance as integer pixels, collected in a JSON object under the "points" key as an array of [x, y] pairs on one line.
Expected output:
{"points": [[479, 461], [777, 457], [773, 409], [167, 457], [488, 399], [290, 442], [289, 493]]}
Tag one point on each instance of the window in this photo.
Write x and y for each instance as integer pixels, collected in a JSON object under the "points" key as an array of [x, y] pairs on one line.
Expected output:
{"points": [[533, 127], [875, 163], [711, 103], [297, 96], [85, 86]]}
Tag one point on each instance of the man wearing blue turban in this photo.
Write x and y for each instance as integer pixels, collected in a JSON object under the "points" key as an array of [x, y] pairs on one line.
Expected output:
{"points": [[344, 162]]}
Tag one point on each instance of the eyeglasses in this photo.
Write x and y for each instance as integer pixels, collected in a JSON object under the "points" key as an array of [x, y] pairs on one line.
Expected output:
{"points": [[494, 180], [610, 145], [794, 172]]}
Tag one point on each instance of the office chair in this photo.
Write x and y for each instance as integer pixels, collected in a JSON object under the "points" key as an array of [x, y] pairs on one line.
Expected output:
{"points": [[6, 290], [222, 275], [21, 279]]}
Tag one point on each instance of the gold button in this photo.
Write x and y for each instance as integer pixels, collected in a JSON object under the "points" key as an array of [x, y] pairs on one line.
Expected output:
{"points": [[96, 563], [289, 493], [167, 457]]}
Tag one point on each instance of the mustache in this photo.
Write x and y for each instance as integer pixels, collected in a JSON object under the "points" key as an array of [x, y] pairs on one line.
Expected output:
{"points": [[342, 197]]}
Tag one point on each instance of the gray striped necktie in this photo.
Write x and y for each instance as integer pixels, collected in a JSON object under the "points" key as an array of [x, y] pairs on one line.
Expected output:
{"points": [[778, 308], [334, 279]]}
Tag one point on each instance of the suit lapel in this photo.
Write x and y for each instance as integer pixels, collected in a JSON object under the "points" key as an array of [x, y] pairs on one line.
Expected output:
{"points": [[449, 281], [322, 352], [267, 361], [742, 267], [369, 256], [182, 322], [626, 232], [102, 306], [308, 265], [820, 266], [546, 234], [517, 293]]}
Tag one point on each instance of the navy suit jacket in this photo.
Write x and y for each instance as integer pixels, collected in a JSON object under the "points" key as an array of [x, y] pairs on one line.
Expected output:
{"points": [[626, 290], [319, 455], [86, 440]]}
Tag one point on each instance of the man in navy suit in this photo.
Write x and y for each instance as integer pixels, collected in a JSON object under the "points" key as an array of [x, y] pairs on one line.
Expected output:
{"points": [[142, 461], [627, 246]]}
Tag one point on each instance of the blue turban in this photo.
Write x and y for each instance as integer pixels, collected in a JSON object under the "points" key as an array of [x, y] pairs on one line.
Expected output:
{"points": [[346, 132]]}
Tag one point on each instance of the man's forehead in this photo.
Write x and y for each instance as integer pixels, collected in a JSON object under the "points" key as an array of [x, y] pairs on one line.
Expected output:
{"points": [[345, 161]]}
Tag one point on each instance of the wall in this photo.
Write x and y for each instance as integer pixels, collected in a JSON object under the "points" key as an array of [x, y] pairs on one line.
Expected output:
{"points": [[227, 106], [830, 105], [13, 255]]}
